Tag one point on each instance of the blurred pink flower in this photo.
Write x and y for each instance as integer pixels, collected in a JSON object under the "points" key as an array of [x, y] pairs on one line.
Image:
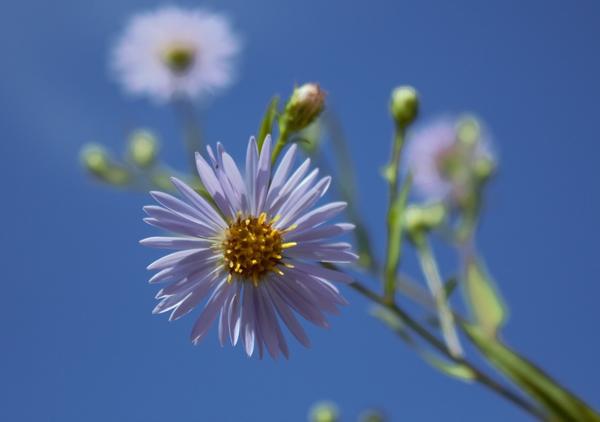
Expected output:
{"points": [[441, 165]]}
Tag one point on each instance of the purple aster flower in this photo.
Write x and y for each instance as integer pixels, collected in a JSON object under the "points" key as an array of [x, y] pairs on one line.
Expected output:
{"points": [[443, 165], [254, 252]]}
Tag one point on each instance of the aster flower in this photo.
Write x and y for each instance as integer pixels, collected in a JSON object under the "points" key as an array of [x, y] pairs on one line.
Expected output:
{"points": [[175, 52], [254, 251], [444, 158]]}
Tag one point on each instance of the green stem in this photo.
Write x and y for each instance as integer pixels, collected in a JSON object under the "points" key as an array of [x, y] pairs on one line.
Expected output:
{"points": [[281, 142], [439, 345], [391, 262], [436, 287]]}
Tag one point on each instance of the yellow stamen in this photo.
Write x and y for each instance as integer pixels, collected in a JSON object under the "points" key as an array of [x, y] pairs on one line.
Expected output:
{"points": [[252, 248]]}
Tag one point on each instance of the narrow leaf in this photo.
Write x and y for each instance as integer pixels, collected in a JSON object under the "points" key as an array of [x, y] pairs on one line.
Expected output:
{"points": [[452, 369], [487, 307], [266, 126]]}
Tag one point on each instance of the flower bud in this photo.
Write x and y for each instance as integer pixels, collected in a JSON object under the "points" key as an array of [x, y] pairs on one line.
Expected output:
{"points": [[404, 105], [143, 148], [324, 412], [371, 416], [419, 219], [304, 106], [96, 160], [468, 131]]}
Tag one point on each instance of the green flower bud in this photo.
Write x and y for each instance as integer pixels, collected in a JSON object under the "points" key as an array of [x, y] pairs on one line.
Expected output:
{"points": [[419, 219], [304, 106], [468, 131], [371, 416], [96, 160], [404, 105], [324, 412], [143, 148]]}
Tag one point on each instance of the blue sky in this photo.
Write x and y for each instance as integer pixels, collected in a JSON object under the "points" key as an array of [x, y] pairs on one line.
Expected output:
{"points": [[79, 342]]}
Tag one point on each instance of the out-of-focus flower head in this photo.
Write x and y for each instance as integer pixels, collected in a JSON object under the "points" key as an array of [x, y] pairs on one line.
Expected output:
{"points": [[324, 411], [449, 158], [174, 52], [255, 252]]}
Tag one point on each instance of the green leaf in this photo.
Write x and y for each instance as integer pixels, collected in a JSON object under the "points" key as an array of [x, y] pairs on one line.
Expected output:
{"points": [[487, 307], [452, 369], [455, 370], [561, 404], [266, 126]]}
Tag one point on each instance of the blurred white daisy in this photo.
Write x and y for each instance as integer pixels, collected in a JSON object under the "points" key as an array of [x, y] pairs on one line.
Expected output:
{"points": [[174, 52], [448, 157]]}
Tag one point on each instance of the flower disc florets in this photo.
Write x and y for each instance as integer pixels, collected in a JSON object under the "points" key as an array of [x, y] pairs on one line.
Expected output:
{"points": [[253, 247], [179, 57]]}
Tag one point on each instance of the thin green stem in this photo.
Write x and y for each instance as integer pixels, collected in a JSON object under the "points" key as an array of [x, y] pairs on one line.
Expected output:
{"points": [[436, 287], [281, 142], [391, 261], [439, 345]]}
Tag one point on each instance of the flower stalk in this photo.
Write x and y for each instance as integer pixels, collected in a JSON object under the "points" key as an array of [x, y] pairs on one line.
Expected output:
{"points": [[404, 107], [480, 376]]}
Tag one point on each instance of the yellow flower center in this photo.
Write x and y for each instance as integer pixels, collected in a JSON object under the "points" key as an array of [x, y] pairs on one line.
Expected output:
{"points": [[179, 57], [253, 247]]}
